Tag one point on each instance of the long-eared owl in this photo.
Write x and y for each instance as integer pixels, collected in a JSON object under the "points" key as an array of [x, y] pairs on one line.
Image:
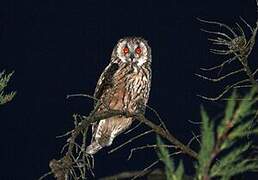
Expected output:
{"points": [[124, 85]]}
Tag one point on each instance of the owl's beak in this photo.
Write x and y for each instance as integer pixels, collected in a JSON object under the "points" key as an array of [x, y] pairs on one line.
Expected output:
{"points": [[131, 56]]}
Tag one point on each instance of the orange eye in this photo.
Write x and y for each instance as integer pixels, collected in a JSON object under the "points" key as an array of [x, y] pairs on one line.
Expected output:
{"points": [[138, 50], [126, 50]]}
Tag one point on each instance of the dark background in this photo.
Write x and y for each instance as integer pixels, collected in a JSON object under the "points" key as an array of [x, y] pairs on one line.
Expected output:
{"points": [[61, 47]]}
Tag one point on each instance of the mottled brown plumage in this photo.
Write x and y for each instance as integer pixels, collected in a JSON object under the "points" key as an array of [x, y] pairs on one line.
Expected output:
{"points": [[124, 85]]}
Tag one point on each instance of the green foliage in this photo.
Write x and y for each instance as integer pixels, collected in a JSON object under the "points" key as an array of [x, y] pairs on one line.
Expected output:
{"points": [[233, 138], [233, 163], [171, 172], [207, 142], [4, 79], [229, 111], [225, 149], [237, 123]]}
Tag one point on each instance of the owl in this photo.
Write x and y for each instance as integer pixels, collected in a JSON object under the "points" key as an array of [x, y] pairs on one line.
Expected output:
{"points": [[124, 85]]}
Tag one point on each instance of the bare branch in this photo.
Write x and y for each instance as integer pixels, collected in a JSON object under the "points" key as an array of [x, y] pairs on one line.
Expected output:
{"points": [[152, 174], [224, 92], [194, 122], [195, 137], [145, 170], [222, 77], [81, 95], [158, 116], [147, 146], [132, 129], [220, 24], [218, 33], [130, 140], [250, 28]]}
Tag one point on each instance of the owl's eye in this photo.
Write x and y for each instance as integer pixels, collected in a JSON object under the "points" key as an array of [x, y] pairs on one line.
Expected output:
{"points": [[138, 50], [126, 50]]}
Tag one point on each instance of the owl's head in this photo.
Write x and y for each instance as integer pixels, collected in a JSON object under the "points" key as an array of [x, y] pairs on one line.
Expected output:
{"points": [[133, 50]]}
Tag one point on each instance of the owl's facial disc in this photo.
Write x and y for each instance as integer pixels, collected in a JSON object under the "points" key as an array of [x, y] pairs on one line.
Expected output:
{"points": [[132, 51]]}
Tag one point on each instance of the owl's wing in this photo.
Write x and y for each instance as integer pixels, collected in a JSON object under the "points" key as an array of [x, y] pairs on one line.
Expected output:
{"points": [[105, 82]]}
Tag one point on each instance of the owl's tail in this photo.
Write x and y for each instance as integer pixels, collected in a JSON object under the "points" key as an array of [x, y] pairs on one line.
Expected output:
{"points": [[93, 148]]}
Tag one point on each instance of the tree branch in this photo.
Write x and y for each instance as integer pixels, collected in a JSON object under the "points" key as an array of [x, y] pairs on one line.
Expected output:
{"points": [[61, 168], [158, 130]]}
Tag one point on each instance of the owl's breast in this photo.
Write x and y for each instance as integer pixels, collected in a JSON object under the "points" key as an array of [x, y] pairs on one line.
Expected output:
{"points": [[127, 90], [128, 87]]}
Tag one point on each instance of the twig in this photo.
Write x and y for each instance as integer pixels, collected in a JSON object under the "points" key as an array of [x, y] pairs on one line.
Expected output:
{"points": [[130, 174], [222, 77], [224, 92], [145, 170], [194, 122], [158, 116], [193, 138], [129, 141], [132, 129], [160, 131], [218, 66], [147, 146], [81, 95], [45, 175]]}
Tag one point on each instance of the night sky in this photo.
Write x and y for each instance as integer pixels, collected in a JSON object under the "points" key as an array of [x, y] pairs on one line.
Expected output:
{"points": [[58, 48]]}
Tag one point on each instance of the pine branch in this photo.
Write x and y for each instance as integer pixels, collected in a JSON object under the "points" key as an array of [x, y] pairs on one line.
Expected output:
{"points": [[233, 127], [171, 171], [4, 79]]}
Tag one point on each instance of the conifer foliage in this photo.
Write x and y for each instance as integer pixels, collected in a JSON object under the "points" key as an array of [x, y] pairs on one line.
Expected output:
{"points": [[4, 79], [226, 149]]}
